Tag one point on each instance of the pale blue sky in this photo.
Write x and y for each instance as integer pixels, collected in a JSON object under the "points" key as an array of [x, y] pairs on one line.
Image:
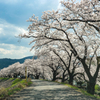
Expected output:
{"points": [[13, 16]]}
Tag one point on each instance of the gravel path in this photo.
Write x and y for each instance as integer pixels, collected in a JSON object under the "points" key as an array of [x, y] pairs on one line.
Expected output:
{"points": [[5, 83], [44, 90]]}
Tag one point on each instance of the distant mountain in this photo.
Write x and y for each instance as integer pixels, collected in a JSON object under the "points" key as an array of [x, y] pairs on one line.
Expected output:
{"points": [[5, 62]]}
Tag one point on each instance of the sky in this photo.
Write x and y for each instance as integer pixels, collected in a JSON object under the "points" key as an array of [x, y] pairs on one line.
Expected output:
{"points": [[13, 16]]}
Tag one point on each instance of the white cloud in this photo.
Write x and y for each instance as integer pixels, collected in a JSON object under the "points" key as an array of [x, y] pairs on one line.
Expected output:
{"points": [[14, 51], [10, 29], [9, 45], [8, 33], [0, 30], [3, 51]]}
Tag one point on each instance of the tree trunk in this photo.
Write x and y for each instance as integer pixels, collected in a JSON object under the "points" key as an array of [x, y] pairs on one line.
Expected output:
{"points": [[92, 79], [70, 79], [91, 87], [54, 76], [53, 79], [62, 79], [37, 77]]}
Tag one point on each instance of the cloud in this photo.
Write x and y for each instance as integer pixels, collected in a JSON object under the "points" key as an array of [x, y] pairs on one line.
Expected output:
{"points": [[18, 11], [4, 25], [13, 16], [9, 45], [0, 30], [14, 51], [8, 33]]}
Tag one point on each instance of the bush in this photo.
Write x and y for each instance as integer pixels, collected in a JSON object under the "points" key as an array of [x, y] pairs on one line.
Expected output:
{"points": [[27, 82], [97, 87], [3, 92], [14, 88], [20, 86]]}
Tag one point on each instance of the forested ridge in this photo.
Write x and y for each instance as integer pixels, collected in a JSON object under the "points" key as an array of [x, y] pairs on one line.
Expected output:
{"points": [[5, 62]]}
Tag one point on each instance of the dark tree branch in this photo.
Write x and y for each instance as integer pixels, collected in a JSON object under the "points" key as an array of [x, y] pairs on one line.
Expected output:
{"points": [[86, 21], [82, 20], [92, 57]]}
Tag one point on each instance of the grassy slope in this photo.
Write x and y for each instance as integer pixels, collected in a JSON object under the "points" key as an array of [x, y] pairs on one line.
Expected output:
{"points": [[16, 85]]}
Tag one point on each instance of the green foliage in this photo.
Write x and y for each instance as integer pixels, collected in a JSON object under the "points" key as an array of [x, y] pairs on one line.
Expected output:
{"points": [[27, 82], [97, 87], [63, 83], [23, 81], [17, 85], [3, 92], [16, 81], [0, 78], [11, 78], [81, 90], [4, 78], [15, 88]]}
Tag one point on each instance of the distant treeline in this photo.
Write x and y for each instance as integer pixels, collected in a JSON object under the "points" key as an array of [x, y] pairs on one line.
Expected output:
{"points": [[5, 62]]}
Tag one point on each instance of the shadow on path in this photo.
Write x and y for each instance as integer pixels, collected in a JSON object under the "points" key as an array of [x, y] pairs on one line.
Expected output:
{"points": [[43, 90]]}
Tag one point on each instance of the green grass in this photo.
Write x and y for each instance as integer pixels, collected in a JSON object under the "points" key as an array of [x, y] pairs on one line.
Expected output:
{"points": [[81, 90], [2, 78], [16, 81], [17, 85]]}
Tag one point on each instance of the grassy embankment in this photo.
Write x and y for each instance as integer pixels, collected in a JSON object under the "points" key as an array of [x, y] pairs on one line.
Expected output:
{"points": [[16, 85], [84, 91]]}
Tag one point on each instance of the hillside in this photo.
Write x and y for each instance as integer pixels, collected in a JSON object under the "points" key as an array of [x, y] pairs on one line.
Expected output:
{"points": [[5, 62]]}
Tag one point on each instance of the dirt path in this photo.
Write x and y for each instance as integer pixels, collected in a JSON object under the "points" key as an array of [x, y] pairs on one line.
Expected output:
{"points": [[5, 83], [43, 90]]}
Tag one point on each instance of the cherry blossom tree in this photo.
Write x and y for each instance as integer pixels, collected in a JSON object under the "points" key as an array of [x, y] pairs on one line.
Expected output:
{"points": [[10, 71], [52, 63], [67, 63], [34, 68], [70, 65], [78, 26]]}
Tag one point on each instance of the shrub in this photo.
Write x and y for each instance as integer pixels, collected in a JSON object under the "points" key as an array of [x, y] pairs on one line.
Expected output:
{"points": [[97, 87], [14, 88], [26, 82], [20, 86], [3, 92]]}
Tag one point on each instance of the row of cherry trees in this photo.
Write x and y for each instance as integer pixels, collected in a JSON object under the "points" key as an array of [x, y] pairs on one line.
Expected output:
{"points": [[49, 66], [72, 33], [34, 69]]}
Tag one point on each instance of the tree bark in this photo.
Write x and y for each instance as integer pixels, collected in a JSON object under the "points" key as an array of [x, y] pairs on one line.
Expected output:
{"points": [[54, 75], [63, 79], [63, 76], [91, 87], [70, 79], [92, 80]]}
